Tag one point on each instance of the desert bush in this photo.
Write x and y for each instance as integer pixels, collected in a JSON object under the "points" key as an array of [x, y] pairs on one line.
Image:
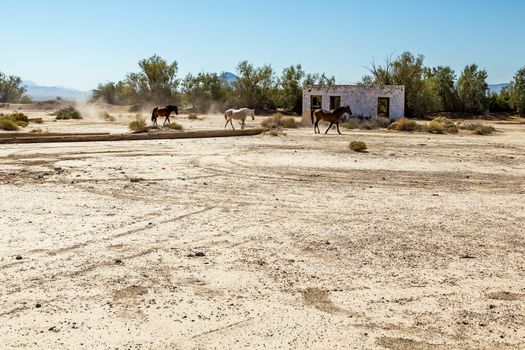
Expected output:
{"points": [[193, 116], [17, 118], [483, 130], [275, 132], [108, 117], [137, 125], [441, 125], [357, 146], [280, 121], [36, 131], [374, 123], [8, 124], [175, 126], [67, 113], [405, 124], [477, 128]]}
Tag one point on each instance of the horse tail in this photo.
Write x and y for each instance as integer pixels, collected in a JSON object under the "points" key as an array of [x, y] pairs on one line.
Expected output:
{"points": [[226, 115], [154, 114]]}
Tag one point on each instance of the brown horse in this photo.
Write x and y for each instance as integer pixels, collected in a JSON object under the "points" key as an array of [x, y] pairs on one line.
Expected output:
{"points": [[163, 112], [334, 117]]}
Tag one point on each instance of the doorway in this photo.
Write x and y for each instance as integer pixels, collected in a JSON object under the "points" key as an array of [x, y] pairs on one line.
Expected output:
{"points": [[383, 107]]}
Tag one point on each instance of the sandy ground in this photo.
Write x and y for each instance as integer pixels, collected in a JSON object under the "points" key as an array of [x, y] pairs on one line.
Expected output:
{"points": [[263, 242]]}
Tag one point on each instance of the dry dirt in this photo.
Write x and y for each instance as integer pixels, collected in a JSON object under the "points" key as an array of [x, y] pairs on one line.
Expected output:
{"points": [[263, 242]]}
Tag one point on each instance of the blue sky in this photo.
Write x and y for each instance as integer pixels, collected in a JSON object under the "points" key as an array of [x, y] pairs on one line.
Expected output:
{"points": [[81, 43]]}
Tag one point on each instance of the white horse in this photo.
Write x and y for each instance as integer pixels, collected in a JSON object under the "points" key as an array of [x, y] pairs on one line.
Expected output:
{"points": [[238, 114]]}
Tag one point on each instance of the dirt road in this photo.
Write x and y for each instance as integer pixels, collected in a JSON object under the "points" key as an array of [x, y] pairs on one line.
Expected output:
{"points": [[265, 242]]}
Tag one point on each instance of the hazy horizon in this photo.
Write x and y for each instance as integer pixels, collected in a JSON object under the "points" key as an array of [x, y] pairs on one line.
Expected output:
{"points": [[81, 44]]}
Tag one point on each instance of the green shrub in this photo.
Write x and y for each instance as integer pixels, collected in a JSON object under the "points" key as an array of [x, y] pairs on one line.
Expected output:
{"points": [[175, 126], [357, 146], [19, 117], [137, 125], [36, 131], [193, 116], [8, 124], [405, 124], [67, 113], [442, 125]]}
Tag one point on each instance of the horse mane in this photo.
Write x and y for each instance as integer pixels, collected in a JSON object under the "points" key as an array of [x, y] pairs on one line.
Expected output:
{"points": [[340, 109]]}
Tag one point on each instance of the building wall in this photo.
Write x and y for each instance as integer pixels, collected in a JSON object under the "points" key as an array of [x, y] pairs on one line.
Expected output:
{"points": [[363, 100]]}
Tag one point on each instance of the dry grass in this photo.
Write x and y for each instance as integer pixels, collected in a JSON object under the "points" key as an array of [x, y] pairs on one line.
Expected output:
{"points": [[108, 117], [193, 116], [478, 128], [67, 113], [137, 125], [8, 125], [13, 121], [405, 124], [374, 123], [441, 125], [279, 121], [175, 126], [357, 146]]}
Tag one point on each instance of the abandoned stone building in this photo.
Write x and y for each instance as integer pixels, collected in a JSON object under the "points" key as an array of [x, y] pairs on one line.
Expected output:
{"points": [[365, 101]]}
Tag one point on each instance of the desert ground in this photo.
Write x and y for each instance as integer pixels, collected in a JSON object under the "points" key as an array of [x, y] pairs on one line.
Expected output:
{"points": [[257, 242]]}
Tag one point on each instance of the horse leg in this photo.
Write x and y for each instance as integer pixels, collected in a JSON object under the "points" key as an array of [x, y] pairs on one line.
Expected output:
{"points": [[242, 125], [316, 126], [225, 125], [337, 124], [331, 123], [231, 122]]}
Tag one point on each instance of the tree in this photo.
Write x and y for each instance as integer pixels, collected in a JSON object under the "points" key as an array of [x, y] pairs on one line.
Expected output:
{"points": [[155, 83], [205, 91], [500, 103], [255, 87], [290, 96], [405, 70], [11, 89], [517, 91], [443, 78], [112, 93], [473, 89], [318, 79]]}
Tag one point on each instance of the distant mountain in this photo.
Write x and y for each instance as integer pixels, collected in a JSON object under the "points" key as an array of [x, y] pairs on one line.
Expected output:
{"points": [[230, 78], [496, 88], [41, 93]]}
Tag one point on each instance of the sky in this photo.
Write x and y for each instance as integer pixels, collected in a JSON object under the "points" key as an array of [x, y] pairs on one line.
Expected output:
{"points": [[84, 42]]}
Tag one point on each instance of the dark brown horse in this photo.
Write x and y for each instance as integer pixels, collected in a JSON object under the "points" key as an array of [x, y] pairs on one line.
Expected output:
{"points": [[163, 112], [334, 117]]}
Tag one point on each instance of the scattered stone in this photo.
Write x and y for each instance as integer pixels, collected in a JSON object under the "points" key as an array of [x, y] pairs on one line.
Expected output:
{"points": [[118, 261], [135, 179], [18, 257], [199, 254], [435, 195], [38, 305], [190, 255]]}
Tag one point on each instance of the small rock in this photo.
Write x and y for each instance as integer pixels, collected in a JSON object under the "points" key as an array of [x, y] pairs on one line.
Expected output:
{"points": [[38, 305], [200, 254], [435, 195], [135, 179], [18, 257], [190, 255], [118, 261]]}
